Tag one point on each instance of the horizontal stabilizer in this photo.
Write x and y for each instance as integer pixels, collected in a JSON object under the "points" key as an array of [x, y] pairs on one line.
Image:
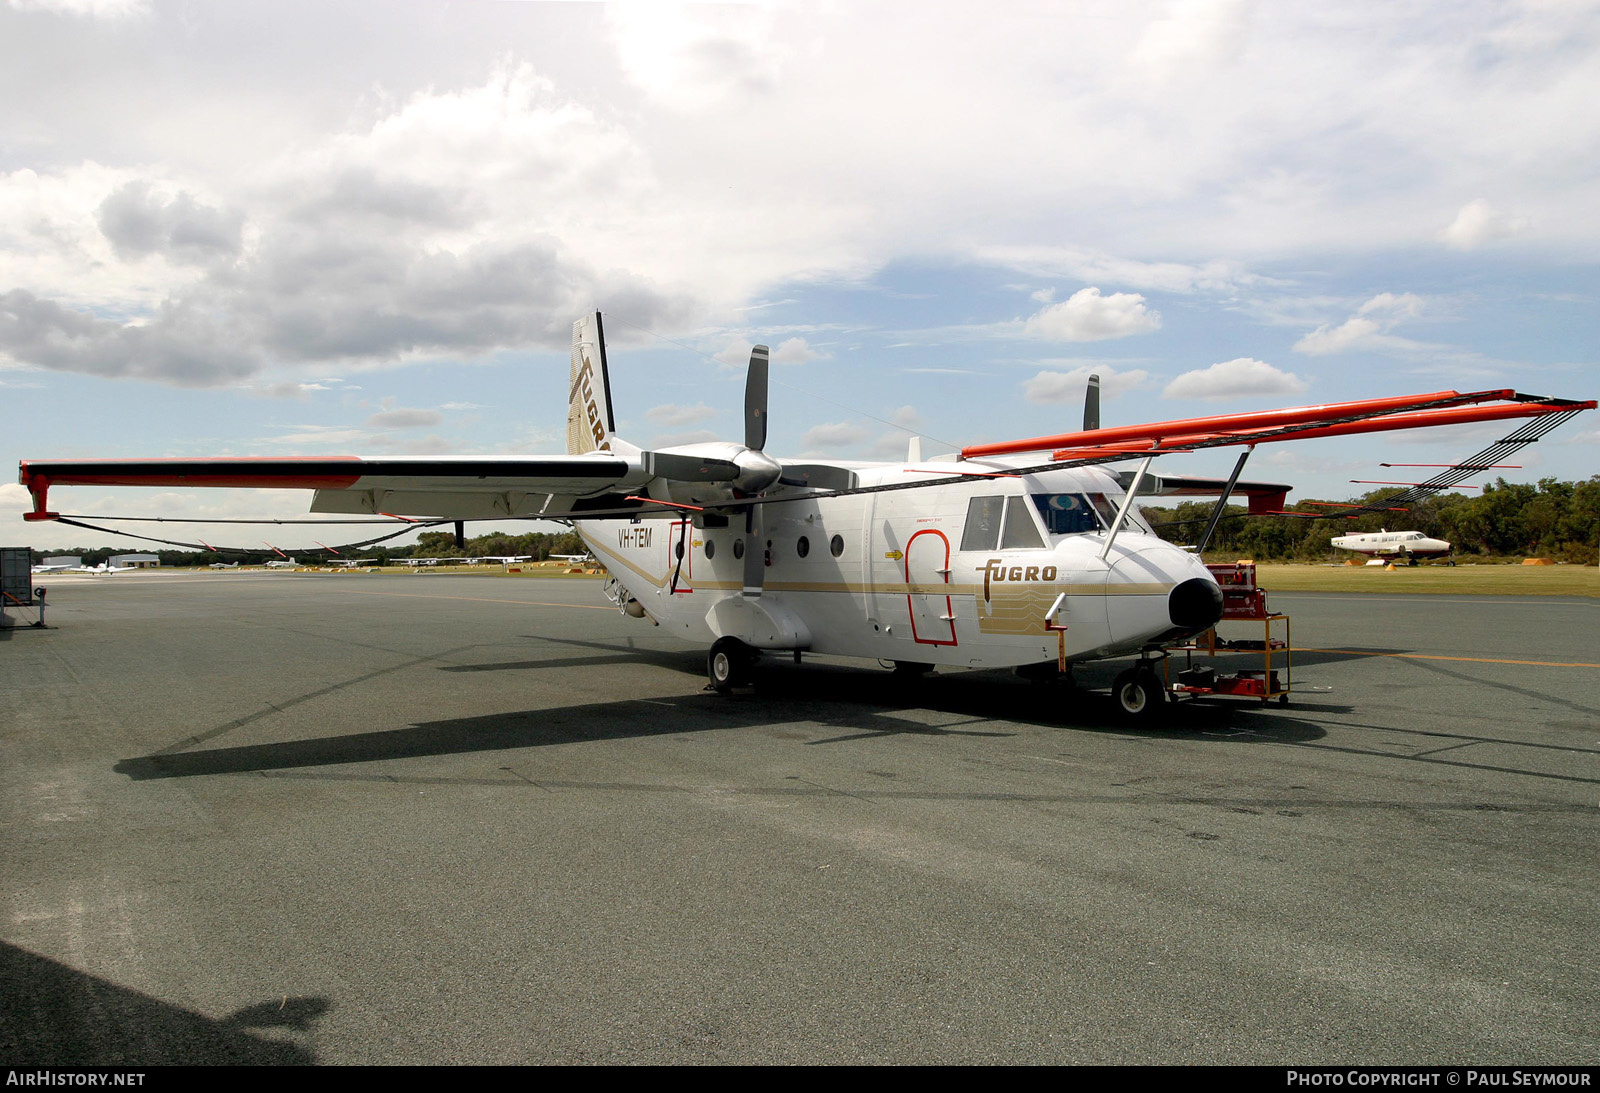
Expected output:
{"points": [[1264, 496]]}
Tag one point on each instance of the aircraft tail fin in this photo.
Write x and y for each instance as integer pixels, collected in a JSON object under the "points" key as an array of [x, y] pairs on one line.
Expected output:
{"points": [[590, 424]]}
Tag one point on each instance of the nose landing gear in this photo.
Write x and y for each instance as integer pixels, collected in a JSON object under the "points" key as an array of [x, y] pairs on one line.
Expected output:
{"points": [[1138, 693]]}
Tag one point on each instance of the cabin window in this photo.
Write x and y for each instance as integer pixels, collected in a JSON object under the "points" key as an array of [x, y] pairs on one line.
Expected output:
{"points": [[983, 523], [738, 548], [1000, 523], [802, 546], [836, 545], [711, 549]]}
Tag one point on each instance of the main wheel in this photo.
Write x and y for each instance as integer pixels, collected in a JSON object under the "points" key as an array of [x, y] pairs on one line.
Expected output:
{"points": [[728, 664], [1138, 694]]}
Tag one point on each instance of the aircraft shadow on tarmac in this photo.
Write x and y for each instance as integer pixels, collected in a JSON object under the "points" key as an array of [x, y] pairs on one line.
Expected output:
{"points": [[53, 1015], [858, 703]]}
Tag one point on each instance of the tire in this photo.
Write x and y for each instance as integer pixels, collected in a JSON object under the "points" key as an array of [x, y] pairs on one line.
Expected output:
{"points": [[728, 664], [1138, 695]]}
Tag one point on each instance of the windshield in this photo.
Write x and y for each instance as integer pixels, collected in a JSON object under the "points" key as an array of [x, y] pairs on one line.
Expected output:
{"points": [[1077, 513], [1067, 513]]}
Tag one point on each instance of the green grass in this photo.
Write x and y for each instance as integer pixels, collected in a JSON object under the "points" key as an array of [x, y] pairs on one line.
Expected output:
{"points": [[1502, 580]]}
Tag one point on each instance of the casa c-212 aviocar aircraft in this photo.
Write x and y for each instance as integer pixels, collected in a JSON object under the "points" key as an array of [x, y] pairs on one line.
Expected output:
{"points": [[995, 557]]}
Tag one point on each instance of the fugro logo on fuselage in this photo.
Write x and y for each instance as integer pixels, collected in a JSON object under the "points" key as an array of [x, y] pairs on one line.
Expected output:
{"points": [[996, 569]]}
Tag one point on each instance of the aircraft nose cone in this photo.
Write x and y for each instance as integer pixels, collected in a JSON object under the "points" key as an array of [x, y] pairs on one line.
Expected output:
{"points": [[1196, 604]]}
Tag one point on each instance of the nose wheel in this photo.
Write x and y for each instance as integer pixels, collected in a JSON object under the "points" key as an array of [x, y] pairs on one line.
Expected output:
{"points": [[1138, 694]]}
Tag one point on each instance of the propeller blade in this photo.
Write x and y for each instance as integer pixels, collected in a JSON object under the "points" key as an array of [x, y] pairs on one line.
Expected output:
{"points": [[755, 400], [1091, 405], [818, 476], [689, 468], [755, 553]]}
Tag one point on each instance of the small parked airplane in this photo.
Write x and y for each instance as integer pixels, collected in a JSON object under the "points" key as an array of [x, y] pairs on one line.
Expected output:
{"points": [[1408, 545], [990, 558]]}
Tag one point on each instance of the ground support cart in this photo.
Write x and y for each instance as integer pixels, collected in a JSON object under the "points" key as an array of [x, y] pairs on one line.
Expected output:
{"points": [[16, 585], [1242, 601]]}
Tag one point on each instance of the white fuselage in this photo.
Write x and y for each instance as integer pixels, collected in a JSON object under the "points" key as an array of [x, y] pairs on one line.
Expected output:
{"points": [[1404, 544], [959, 574]]}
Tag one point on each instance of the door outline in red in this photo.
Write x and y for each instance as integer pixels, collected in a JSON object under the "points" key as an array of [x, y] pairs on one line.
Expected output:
{"points": [[949, 609]]}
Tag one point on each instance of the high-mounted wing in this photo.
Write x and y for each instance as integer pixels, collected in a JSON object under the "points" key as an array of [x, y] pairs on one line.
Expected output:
{"points": [[445, 487], [1096, 446]]}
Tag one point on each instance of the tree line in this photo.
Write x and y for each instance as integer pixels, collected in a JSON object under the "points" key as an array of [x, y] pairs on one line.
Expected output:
{"points": [[1505, 520]]}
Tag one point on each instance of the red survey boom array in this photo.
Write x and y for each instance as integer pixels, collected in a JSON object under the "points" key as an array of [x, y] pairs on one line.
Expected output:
{"points": [[1295, 423]]}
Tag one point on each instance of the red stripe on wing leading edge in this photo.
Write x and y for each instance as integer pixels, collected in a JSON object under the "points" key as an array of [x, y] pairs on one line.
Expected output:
{"points": [[294, 472], [219, 479]]}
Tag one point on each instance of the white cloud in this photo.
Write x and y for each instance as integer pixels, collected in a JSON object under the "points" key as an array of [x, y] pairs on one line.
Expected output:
{"points": [[688, 58], [1242, 377], [1087, 316], [736, 354], [890, 445], [402, 418], [427, 232], [674, 440], [1049, 388], [795, 351], [87, 9], [1193, 36], [842, 434], [139, 222], [676, 416], [1083, 264], [1478, 222], [411, 445], [1368, 328], [907, 417]]}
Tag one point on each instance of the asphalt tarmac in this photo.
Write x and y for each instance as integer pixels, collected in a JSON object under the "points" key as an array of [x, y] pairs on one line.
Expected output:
{"points": [[283, 818]]}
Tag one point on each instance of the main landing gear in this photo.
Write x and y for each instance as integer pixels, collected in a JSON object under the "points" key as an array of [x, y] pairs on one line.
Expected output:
{"points": [[728, 664], [1138, 693]]}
